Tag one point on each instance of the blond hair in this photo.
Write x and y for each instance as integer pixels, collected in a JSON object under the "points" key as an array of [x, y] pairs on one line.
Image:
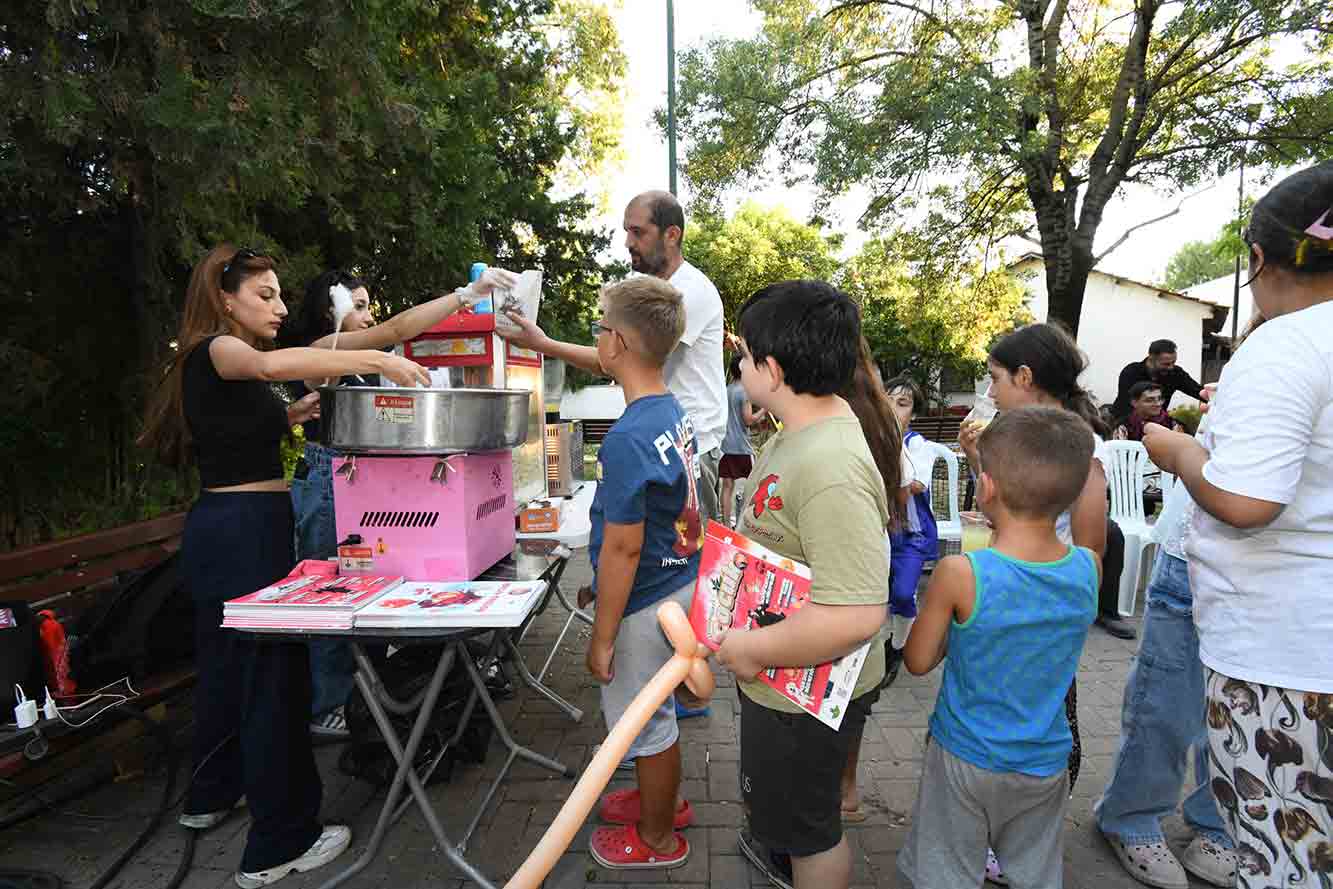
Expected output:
{"points": [[650, 308]]}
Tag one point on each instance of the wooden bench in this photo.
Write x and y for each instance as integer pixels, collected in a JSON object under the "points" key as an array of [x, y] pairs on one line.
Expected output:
{"points": [[67, 576], [942, 428]]}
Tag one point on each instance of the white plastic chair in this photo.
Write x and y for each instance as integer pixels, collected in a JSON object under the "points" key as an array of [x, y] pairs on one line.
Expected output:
{"points": [[950, 528], [1126, 464]]}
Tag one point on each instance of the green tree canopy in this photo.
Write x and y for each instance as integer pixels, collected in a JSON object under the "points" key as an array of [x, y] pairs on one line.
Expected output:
{"points": [[755, 247], [926, 313], [397, 138], [1196, 262], [1029, 109]]}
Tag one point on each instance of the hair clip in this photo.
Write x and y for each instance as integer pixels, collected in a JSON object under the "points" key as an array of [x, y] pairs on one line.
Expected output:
{"points": [[1318, 229]]}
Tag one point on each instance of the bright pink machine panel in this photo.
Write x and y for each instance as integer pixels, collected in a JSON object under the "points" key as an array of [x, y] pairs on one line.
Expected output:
{"points": [[422, 524]]}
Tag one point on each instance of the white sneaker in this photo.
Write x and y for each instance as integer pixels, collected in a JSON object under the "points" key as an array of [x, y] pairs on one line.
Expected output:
{"points": [[331, 843], [208, 820], [1153, 864], [331, 725], [1210, 862]]}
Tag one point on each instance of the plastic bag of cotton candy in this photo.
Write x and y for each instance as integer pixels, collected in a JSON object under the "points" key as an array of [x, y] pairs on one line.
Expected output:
{"points": [[524, 298]]}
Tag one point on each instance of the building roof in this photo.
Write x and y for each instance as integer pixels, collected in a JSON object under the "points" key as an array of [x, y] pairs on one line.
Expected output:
{"points": [[1034, 256]]}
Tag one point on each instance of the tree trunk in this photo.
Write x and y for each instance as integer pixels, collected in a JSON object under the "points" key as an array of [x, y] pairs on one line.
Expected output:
{"points": [[1066, 281]]}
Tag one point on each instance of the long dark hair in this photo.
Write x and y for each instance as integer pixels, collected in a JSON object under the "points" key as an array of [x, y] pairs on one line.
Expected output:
{"points": [[314, 318], [1056, 362], [867, 399], [165, 431], [1284, 222]]}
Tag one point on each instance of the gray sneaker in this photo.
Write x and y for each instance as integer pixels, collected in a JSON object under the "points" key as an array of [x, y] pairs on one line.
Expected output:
{"points": [[208, 820], [331, 843]]}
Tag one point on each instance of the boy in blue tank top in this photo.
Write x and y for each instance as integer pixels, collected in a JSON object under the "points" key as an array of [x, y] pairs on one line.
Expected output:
{"points": [[1012, 619]]}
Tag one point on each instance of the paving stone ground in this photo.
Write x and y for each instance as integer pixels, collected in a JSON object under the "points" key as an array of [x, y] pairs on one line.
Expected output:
{"points": [[82, 839]]}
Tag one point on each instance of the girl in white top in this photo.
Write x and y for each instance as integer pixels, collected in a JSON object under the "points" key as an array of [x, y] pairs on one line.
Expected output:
{"points": [[1261, 546]]}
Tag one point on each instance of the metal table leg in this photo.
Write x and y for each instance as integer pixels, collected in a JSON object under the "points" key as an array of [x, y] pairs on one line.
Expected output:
{"points": [[535, 683], [575, 613], [369, 683], [515, 749]]}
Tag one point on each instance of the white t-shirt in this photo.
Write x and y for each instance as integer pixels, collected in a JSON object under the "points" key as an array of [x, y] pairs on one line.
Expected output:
{"points": [[1064, 523], [1263, 598], [694, 371], [919, 453]]}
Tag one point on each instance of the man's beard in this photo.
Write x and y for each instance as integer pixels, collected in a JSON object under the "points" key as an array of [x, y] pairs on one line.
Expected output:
{"points": [[653, 263]]}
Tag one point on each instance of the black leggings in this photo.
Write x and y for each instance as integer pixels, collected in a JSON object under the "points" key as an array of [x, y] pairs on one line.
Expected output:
{"points": [[1113, 564], [252, 700]]}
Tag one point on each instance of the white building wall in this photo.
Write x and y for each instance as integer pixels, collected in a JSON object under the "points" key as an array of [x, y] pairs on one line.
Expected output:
{"points": [[1120, 318]]}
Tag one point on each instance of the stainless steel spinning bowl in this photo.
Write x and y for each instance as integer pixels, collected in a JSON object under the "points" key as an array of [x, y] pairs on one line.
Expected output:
{"points": [[372, 419]]}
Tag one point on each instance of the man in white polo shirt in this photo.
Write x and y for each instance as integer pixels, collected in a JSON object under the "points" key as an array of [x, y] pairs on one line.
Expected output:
{"points": [[654, 227]]}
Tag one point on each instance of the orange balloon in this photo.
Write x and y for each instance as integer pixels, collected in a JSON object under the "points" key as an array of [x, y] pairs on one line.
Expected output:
{"points": [[689, 665]]}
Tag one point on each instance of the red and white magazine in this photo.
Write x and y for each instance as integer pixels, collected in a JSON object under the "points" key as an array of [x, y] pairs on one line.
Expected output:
{"points": [[744, 585], [311, 601], [474, 603]]}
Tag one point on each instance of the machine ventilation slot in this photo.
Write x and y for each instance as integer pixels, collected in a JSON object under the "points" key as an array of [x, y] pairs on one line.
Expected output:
{"points": [[495, 504], [399, 519]]}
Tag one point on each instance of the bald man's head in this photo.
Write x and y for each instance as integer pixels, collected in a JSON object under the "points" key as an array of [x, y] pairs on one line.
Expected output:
{"points": [[654, 226]]}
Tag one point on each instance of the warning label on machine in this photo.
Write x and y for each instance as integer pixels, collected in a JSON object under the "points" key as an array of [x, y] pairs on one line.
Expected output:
{"points": [[355, 558], [395, 409]]}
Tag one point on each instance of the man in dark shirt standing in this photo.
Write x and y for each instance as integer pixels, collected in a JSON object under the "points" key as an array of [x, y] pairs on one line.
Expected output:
{"points": [[1160, 368]]}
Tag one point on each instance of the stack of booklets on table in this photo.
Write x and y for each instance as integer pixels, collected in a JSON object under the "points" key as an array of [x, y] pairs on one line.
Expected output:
{"points": [[307, 602], [743, 586], [474, 603]]}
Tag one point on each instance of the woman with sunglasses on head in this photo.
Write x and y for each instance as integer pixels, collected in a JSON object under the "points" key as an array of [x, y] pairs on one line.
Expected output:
{"points": [[214, 405], [332, 667], [1260, 546]]}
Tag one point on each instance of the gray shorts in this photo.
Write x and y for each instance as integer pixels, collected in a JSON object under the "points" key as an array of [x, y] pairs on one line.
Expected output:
{"points": [[959, 807], [709, 505], [641, 650]]}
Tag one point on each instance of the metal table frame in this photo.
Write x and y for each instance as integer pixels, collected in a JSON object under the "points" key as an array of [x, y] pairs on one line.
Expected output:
{"points": [[380, 702]]}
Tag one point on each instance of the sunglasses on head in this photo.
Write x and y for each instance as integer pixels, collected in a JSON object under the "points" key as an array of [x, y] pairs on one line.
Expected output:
{"points": [[238, 261]]}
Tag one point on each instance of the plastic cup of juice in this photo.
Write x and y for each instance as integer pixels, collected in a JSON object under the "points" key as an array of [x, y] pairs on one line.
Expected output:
{"points": [[976, 533]]}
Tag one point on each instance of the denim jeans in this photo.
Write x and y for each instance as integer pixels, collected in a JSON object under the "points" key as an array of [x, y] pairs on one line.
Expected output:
{"points": [[332, 666], [1162, 719]]}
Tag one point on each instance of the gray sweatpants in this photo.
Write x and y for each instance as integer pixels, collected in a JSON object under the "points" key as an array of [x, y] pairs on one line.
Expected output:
{"points": [[960, 806]]}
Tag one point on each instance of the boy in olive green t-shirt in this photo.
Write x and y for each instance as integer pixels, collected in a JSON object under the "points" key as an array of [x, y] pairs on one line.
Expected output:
{"points": [[815, 496]]}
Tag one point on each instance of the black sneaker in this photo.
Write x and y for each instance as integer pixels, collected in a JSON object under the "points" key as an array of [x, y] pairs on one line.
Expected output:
{"points": [[776, 866], [1116, 626]]}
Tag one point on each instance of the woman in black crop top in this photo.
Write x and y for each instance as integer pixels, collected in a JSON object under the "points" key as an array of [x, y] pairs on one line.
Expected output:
{"points": [[332, 668], [252, 703]]}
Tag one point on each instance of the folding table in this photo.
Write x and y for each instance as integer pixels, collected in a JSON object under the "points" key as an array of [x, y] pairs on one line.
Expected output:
{"points": [[531, 560]]}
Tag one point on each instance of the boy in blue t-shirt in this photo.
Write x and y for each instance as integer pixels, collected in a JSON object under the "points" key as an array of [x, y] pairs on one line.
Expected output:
{"points": [[1013, 619], [645, 543]]}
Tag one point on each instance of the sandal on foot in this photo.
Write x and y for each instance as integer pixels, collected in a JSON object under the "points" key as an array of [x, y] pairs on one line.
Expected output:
{"points": [[1210, 862], [993, 872], [854, 816], [621, 848], [1153, 864], [625, 807]]}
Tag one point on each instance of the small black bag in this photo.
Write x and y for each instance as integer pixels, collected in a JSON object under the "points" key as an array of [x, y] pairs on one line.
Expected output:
{"points": [[146, 625], [20, 660], [406, 673]]}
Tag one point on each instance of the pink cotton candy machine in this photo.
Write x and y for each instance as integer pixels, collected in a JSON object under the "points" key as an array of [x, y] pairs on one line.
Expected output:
{"points": [[424, 486]]}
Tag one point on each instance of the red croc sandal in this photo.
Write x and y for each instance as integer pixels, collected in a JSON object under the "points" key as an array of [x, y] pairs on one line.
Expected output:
{"points": [[624, 807], [621, 848]]}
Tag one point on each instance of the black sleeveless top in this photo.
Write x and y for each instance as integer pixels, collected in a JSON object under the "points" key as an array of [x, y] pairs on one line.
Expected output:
{"points": [[236, 425]]}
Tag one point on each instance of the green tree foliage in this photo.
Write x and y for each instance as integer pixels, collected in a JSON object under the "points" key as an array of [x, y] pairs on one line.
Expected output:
{"points": [[1196, 262], [1028, 108], [400, 138], [925, 313], [755, 247]]}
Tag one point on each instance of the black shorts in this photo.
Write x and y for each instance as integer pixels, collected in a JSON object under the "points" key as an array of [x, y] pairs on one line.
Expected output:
{"points": [[791, 775]]}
